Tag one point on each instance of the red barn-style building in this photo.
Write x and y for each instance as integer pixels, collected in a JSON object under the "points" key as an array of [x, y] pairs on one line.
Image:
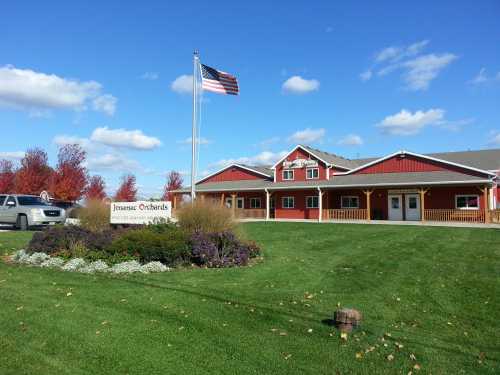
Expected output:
{"points": [[404, 186]]}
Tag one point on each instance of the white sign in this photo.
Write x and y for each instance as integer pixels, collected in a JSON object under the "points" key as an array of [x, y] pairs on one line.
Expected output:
{"points": [[300, 163], [140, 212]]}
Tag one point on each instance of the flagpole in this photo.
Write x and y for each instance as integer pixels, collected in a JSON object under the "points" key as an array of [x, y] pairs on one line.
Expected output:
{"points": [[193, 136]]}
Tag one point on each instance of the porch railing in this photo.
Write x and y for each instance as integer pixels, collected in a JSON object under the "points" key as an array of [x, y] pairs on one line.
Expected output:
{"points": [[464, 216], [345, 214], [495, 216], [250, 213]]}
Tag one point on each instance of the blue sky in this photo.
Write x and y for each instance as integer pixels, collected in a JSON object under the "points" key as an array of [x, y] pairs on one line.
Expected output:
{"points": [[354, 78]]}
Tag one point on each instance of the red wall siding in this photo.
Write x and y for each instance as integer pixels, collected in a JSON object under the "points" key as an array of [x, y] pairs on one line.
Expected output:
{"points": [[334, 198], [234, 174], [300, 174], [300, 211], [444, 197], [412, 164]]}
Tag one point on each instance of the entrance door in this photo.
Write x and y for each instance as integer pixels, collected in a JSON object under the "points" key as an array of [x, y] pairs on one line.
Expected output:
{"points": [[395, 207], [412, 207]]}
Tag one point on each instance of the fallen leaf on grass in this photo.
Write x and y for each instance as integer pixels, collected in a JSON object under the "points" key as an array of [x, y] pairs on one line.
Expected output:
{"points": [[287, 356], [390, 357], [417, 367], [309, 330], [19, 308], [343, 336], [359, 355], [69, 294]]}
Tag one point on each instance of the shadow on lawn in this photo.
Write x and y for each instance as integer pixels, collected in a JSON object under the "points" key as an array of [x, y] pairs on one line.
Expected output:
{"points": [[376, 330]]}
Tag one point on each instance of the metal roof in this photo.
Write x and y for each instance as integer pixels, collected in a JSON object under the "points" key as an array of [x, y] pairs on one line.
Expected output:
{"points": [[336, 160], [347, 181]]}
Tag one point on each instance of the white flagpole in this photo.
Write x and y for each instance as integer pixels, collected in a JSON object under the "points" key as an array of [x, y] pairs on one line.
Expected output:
{"points": [[193, 136]]}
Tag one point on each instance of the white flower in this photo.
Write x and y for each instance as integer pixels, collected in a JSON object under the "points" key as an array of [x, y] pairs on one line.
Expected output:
{"points": [[20, 257], [74, 264], [37, 258], [126, 267], [97, 266], [154, 267], [53, 262]]}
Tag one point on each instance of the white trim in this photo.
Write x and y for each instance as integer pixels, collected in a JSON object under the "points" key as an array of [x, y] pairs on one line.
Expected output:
{"points": [[402, 152], [283, 201], [310, 153], [231, 166], [348, 196], [256, 199], [312, 169], [312, 196], [467, 208], [283, 175]]}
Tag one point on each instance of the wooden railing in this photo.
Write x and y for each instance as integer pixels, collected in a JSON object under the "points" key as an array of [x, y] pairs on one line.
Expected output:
{"points": [[250, 213], [464, 216], [495, 216], [345, 214]]}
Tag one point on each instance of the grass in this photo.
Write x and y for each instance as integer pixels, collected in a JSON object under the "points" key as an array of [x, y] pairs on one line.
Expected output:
{"points": [[433, 290]]}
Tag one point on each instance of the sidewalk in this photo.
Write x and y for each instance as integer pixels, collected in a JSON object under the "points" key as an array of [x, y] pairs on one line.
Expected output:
{"points": [[383, 222]]}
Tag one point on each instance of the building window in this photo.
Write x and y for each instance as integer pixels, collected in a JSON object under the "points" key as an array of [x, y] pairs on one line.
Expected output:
{"points": [[312, 173], [349, 202], [288, 174], [312, 202], [467, 202], [288, 202], [254, 202]]}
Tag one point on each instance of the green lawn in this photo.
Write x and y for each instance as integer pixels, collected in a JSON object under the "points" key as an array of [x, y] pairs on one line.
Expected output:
{"points": [[432, 291]]}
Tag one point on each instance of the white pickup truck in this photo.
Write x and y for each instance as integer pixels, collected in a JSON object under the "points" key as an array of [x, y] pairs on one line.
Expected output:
{"points": [[26, 211]]}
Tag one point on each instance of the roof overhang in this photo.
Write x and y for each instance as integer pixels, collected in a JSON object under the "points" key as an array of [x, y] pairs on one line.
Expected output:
{"points": [[309, 152]]}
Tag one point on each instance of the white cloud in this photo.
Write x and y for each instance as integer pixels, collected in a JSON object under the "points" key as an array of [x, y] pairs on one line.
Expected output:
{"points": [[394, 54], [268, 142], [150, 76], [62, 140], [263, 158], [307, 135], [201, 141], [351, 140], [105, 103], [407, 123], [135, 139], [495, 138], [25, 89], [418, 70], [299, 85], [182, 84], [366, 76], [482, 77], [12, 155], [113, 162], [423, 69]]}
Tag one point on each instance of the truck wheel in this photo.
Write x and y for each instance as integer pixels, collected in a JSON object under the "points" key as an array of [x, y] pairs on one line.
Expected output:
{"points": [[22, 222]]}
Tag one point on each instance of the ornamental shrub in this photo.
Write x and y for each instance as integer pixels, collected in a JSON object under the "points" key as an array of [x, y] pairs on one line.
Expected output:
{"points": [[69, 239], [95, 216], [205, 217], [222, 249], [168, 246]]}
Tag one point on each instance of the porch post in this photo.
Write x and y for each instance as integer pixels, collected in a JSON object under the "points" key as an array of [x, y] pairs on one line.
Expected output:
{"points": [[174, 201], [486, 205], [368, 194], [233, 205], [267, 205], [202, 196], [422, 192], [320, 205], [222, 200]]}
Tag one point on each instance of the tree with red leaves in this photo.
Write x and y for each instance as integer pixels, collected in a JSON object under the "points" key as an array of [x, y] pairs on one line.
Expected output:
{"points": [[70, 176], [96, 189], [34, 175], [127, 191], [7, 175], [174, 182]]}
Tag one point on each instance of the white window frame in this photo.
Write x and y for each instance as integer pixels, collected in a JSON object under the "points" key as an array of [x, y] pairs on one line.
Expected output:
{"points": [[348, 196], [313, 197], [283, 202], [312, 177], [467, 195], [255, 199], [288, 170]]}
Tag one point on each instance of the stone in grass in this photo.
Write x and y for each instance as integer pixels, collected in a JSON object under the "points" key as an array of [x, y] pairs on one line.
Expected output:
{"points": [[346, 319]]}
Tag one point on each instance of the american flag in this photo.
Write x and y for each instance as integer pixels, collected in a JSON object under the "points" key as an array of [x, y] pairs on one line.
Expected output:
{"points": [[219, 82]]}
